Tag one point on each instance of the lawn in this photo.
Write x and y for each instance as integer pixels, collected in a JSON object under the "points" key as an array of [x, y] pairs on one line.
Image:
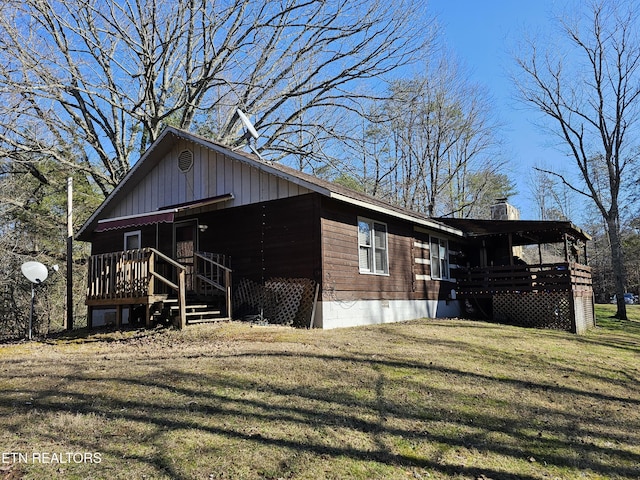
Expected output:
{"points": [[438, 399]]}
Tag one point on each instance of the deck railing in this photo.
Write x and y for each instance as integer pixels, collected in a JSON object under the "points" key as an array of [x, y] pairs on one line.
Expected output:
{"points": [[118, 275], [486, 281]]}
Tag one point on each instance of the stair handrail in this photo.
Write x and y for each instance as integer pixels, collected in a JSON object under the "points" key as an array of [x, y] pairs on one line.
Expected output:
{"points": [[207, 257], [226, 287], [180, 287], [167, 259]]}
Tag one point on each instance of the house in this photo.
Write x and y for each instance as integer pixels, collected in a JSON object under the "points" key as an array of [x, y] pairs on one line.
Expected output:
{"points": [[197, 223], [198, 231]]}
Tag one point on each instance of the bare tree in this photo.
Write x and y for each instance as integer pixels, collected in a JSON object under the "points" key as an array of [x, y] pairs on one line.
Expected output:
{"points": [[427, 141], [590, 92], [554, 200], [90, 84]]}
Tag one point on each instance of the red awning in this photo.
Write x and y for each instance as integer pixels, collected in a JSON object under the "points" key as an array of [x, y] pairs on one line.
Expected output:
{"points": [[135, 220]]}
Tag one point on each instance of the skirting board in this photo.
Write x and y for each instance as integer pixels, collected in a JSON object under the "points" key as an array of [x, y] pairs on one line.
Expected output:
{"points": [[337, 314]]}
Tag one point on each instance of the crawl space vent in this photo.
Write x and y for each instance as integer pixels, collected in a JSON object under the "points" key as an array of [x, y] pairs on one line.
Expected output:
{"points": [[185, 160]]}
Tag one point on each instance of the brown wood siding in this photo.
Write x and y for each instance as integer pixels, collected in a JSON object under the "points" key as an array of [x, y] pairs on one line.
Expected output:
{"points": [[113, 240], [267, 240], [342, 279], [280, 236], [307, 236], [421, 258]]}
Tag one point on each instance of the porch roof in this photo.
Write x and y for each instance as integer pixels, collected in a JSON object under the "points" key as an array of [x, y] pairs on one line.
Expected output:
{"points": [[523, 232]]}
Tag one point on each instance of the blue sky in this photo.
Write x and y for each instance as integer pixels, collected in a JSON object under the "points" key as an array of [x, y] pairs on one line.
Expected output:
{"points": [[482, 34]]}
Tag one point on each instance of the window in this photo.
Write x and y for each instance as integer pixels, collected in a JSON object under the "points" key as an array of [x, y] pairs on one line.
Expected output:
{"points": [[439, 258], [372, 247], [132, 240]]}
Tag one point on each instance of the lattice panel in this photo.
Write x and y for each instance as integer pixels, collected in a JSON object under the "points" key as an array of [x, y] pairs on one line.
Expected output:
{"points": [[534, 309], [585, 316], [286, 301]]}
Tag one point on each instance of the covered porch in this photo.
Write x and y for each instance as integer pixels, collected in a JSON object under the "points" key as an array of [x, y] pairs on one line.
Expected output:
{"points": [[503, 274]]}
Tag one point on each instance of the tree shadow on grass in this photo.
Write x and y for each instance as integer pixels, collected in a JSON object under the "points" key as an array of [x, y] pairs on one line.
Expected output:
{"points": [[105, 334], [615, 333], [176, 400]]}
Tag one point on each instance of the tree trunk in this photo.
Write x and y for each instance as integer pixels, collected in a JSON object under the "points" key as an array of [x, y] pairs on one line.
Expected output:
{"points": [[613, 225]]}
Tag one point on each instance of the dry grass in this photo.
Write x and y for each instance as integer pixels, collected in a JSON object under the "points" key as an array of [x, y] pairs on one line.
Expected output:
{"points": [[445, 399]]}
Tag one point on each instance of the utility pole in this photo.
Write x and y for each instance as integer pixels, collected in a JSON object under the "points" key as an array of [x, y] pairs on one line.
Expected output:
{"points": [[70, 253]]}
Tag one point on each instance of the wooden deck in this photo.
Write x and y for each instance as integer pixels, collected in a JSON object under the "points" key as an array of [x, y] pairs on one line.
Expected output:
{"points": [[557, 295], [149, 278]]}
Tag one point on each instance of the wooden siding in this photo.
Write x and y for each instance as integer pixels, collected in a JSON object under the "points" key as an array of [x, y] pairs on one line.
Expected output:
{"points": [[281, 237], [342, 280], [212, 174], [158, 236]]}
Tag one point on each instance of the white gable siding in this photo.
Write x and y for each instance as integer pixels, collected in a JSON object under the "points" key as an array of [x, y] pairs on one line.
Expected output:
{"points": [[212, 174]]}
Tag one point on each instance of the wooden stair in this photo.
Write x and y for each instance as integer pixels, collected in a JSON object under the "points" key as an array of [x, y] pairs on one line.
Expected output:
{"points": [[198, 310], [203, 313]]}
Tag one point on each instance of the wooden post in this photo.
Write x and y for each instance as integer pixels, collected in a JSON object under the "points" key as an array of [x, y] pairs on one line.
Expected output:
{"points": [[540, 253], [573, 313], [510, 249], [313, 308], [69, 320], [227, 283], [150, 270], [90, 280], [150, 288], [182, 298]]}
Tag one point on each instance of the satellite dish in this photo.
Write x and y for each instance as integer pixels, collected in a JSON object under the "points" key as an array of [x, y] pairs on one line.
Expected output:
{"points": [[35, 272], [247, 123]]}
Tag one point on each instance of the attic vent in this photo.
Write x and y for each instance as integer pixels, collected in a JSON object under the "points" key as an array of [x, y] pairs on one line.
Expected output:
{"points": [[185, 161]]}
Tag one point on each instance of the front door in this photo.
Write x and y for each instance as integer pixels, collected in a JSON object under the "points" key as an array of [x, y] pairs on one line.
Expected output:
{"points": [[186, 239]]}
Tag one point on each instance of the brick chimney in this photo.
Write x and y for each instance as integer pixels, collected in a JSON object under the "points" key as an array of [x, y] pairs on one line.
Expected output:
{"points": [[503, 211]]}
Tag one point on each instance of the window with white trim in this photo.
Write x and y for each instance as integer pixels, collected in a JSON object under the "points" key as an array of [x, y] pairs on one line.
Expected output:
{"points": [[372, 247], [132, 240], [439, 259]]}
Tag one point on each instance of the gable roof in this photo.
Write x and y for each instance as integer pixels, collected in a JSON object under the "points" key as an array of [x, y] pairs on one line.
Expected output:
{"points": [[170, 135]]}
